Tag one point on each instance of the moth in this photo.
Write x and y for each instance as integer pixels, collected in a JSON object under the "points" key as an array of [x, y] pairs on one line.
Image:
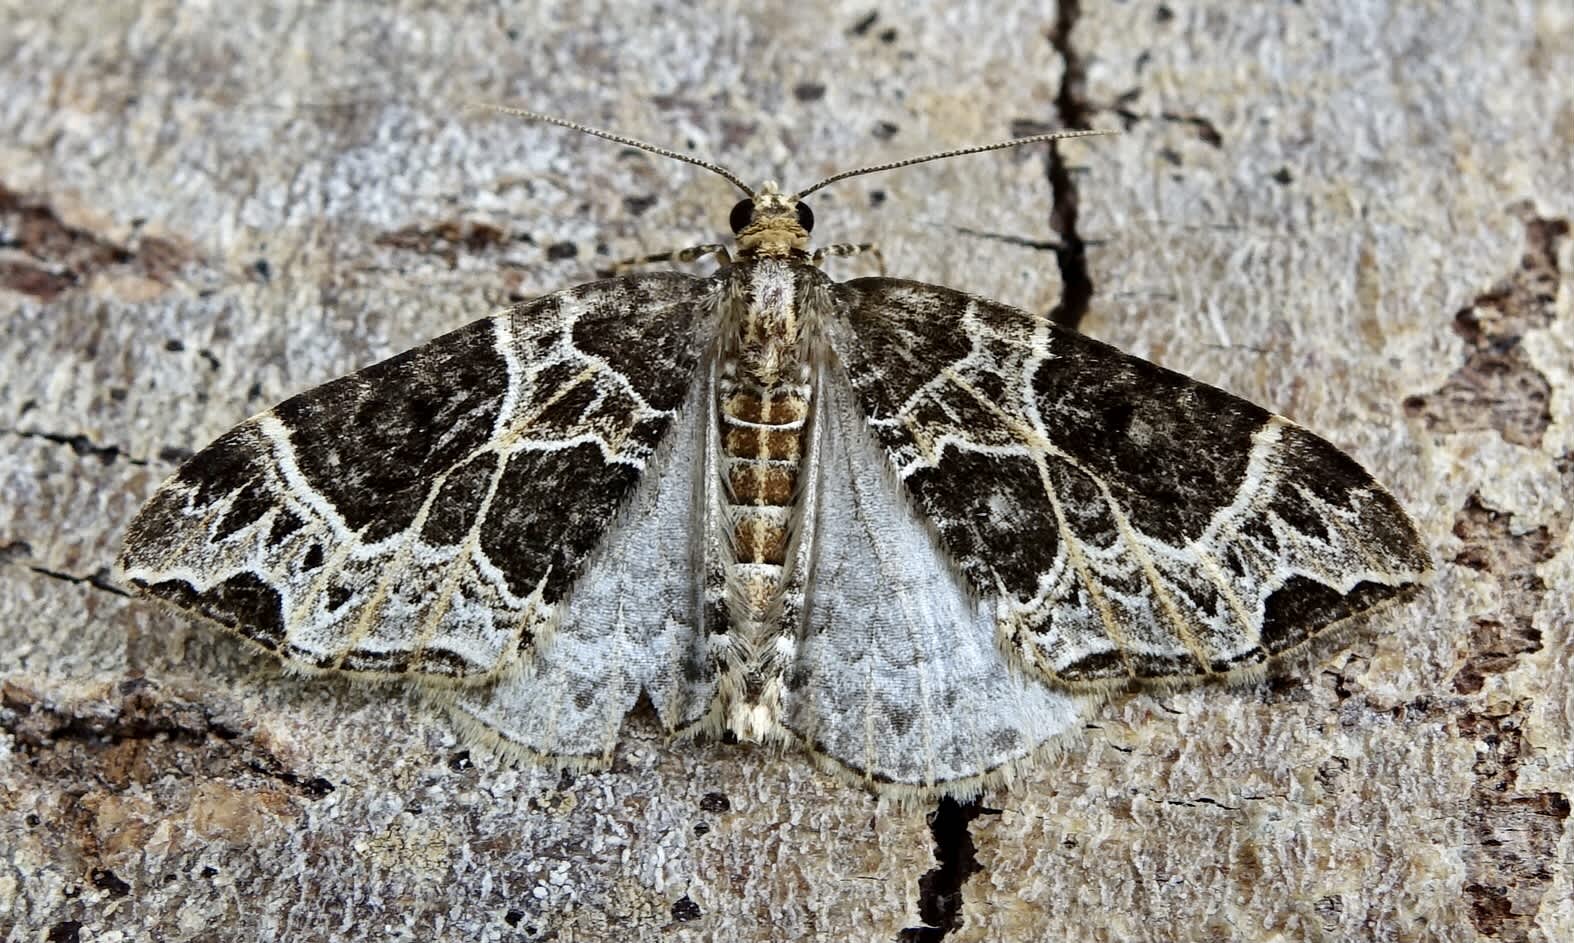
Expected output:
{"points": [[912, 530]]}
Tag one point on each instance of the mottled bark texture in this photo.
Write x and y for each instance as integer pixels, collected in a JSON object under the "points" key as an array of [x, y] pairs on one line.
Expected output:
{"points": [[1354, 213]]}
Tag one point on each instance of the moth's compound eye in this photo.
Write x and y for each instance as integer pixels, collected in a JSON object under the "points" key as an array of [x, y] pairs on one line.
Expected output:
{"points": [[805, 216], [741, 214]]}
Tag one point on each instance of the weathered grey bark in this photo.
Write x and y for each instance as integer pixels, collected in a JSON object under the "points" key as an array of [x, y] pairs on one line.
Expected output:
{"points": [[1352, 212]]}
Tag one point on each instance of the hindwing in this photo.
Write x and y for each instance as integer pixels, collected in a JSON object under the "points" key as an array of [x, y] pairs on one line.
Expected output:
{"points": [[898, 679]]}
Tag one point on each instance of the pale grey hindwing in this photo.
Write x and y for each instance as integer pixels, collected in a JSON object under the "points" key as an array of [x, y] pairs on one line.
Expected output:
{"points": [[1131, 522], [898, 677], [427, 516], [631, 625]]}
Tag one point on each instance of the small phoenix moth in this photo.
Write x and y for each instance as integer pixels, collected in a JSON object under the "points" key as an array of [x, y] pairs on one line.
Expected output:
{"points": [[910, 529]]}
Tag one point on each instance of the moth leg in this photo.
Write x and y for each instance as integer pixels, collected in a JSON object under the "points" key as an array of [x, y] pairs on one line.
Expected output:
{"points": [[843, 249], [691, 254]]}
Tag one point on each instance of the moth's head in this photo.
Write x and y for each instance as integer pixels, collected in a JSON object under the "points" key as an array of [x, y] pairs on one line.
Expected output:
{"points": [[771, 224]]}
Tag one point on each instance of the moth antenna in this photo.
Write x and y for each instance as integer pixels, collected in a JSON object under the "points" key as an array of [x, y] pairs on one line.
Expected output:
{"points": [[975, 149], [717, 169]]}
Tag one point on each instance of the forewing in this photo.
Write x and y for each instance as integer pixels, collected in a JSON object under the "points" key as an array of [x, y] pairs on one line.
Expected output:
{"points": [[426, 516], [1131, 523]]}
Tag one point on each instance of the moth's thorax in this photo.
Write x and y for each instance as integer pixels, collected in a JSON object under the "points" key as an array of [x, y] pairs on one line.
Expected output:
{"points": [[766, 334]]}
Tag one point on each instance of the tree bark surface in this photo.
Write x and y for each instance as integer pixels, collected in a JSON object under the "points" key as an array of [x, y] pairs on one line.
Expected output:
{"points": [[1353, 213]]}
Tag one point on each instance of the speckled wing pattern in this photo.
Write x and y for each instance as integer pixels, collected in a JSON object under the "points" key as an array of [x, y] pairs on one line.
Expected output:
{"points": [[898, 678], [1129, 523], [427, 517], [974, 515]]}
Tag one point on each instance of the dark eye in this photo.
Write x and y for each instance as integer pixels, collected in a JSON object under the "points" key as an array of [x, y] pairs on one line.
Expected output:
{"points": [[741, 214], [805, 217]]}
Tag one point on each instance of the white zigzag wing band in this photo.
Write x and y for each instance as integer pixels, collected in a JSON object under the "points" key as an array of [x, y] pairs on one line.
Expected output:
{"points": [[904, 527], [426, 516], [1134, 524]]}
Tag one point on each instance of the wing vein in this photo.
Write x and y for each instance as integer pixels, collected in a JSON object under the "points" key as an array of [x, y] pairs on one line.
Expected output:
{"points": [[1183, 628], [1072, 544]]}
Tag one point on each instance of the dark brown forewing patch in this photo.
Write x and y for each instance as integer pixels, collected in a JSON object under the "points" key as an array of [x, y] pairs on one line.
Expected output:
{"points": [[1303, 607], [1148, 665], [336, 596], [939, 371], [379, 444], [641, 334], [1255, 655], [903, 333], [985, 507], [1086, 513], [1310, 462], [444, 663], [284, 524], [1107, 665], [1172, 451], [643, 328], [312, 559], [568, 405], [241, 602], [373, 442], [235, 464], [227, 464], [246, 508], [454, 510], [549, 513]]}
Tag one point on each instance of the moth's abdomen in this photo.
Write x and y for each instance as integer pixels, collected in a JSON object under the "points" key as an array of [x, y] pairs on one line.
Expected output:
{"points": [[762, 444], [762, 436]]}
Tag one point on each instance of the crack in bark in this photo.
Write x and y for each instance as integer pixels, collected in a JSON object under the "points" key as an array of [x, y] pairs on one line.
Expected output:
{"points": [[940, 890], [16, 553], [1072, 108], [1207, 132], [105, 736], [81, 445], [956, 861], [1042, 245], [98, 580]]}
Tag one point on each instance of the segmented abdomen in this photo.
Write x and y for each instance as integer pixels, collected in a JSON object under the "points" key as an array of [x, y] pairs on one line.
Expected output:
{"points": [[762, 437]]}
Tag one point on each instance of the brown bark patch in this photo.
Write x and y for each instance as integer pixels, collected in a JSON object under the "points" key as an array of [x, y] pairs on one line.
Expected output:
{"points": [[1498, 388]]}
